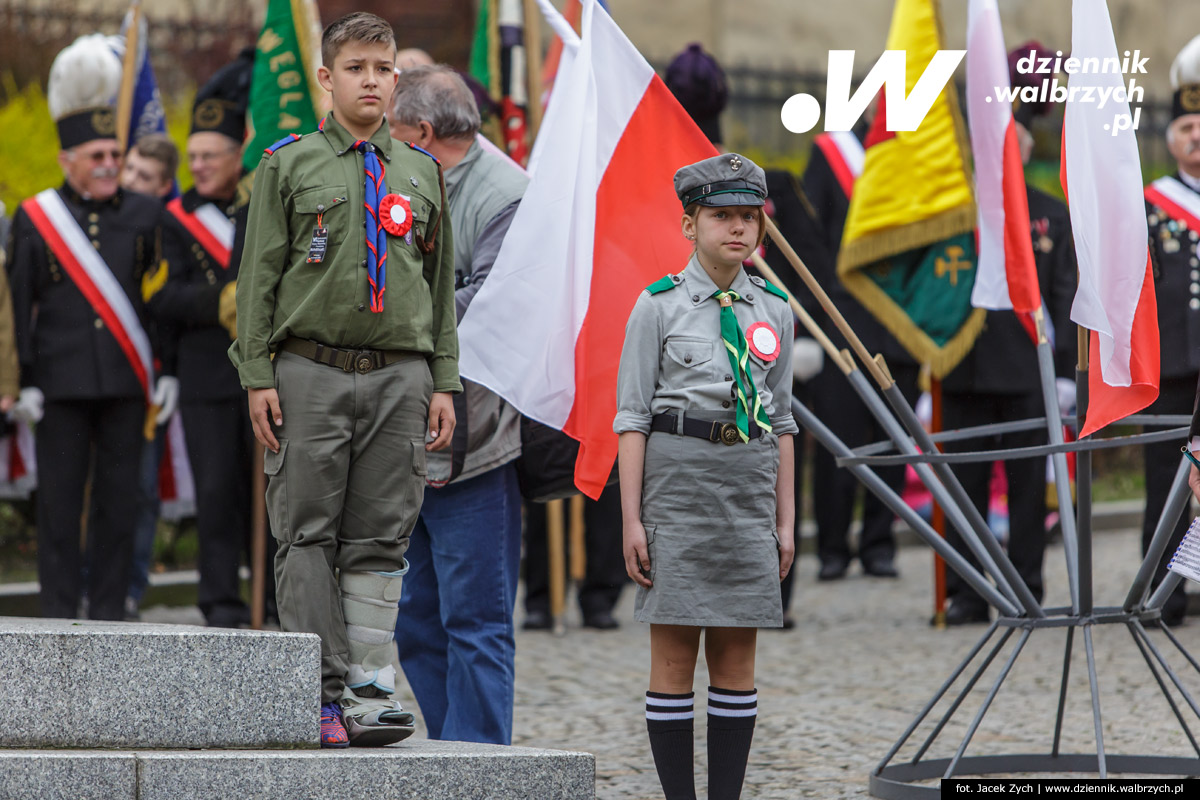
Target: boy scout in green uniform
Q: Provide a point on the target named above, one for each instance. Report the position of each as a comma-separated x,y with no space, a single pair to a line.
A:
357,380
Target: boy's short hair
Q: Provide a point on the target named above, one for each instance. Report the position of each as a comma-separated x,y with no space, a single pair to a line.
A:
159,147
356,27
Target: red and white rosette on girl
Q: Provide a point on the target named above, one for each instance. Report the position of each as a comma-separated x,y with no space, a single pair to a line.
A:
396,212
763,341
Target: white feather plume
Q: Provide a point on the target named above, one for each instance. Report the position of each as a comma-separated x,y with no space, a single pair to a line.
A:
1186,67
85,75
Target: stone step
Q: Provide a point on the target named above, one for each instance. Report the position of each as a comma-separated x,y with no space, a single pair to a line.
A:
411,770
83,684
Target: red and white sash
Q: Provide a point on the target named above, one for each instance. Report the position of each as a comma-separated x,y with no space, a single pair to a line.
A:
212,229
94,279
845,155
1173,197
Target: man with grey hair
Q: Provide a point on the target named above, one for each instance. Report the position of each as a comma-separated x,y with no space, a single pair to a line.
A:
455,630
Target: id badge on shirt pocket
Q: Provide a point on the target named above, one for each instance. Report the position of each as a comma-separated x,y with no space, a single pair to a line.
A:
324,215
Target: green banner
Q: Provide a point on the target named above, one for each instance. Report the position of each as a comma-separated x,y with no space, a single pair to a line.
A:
281,100
923,296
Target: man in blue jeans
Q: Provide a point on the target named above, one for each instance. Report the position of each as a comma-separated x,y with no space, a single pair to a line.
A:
454,634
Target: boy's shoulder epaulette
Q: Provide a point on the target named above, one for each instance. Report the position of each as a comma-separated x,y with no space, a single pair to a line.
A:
423,150
291,137
664,283
770,287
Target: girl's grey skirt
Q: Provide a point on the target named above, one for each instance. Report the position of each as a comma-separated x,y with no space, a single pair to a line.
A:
709,514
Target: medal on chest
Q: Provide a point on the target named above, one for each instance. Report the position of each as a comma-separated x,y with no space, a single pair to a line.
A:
763,341
396,212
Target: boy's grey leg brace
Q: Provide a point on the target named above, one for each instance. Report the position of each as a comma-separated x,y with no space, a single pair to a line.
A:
369,605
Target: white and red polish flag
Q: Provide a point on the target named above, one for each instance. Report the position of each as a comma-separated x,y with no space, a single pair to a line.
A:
1101,174
1006,276
598,223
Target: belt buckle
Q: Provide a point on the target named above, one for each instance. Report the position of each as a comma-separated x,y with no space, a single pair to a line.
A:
363,363
724,432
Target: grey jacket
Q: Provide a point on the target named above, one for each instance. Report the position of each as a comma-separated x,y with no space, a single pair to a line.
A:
674,357
483,191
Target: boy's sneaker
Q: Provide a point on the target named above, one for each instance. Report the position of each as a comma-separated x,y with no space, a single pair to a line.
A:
333,732
375,721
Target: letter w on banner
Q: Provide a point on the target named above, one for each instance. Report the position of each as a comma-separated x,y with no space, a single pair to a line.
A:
1101,174
598,223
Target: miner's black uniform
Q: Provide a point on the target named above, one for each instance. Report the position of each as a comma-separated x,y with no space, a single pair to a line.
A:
998,381
95,406
797,220
839,406
1175,258
216,420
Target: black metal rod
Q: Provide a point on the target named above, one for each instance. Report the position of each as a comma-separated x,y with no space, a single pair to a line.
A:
978,526
1177,498
987,702
1083,511
937,696
895,502
955,512
1163,688
1062,476
1166,667
1062,692
962,695
1097,722
1179,646
1163,591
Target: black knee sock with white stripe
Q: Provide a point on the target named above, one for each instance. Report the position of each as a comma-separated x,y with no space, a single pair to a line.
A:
731,716
670,720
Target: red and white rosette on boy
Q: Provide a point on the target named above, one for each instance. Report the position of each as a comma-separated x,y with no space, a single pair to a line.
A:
396,212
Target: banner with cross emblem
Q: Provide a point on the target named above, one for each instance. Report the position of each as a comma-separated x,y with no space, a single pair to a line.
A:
908,251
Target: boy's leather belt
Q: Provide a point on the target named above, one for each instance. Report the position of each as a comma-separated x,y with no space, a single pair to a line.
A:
360,360
713,431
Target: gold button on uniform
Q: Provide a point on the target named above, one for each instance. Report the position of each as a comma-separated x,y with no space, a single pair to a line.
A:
99,323
96,243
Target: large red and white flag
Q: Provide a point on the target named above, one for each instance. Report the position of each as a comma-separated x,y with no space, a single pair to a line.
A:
1006,275
1101,174
598,223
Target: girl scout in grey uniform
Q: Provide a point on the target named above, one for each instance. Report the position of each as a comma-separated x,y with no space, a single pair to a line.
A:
703,413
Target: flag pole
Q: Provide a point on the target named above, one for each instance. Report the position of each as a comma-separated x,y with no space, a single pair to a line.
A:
875,365
533,67
1083,476
939,516
128,64
939,478
942,499
1062,476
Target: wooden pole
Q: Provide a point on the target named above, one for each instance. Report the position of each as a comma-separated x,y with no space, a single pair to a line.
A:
939,517
258,540
576,533
533,68
128,64
555,546
810,324
874,364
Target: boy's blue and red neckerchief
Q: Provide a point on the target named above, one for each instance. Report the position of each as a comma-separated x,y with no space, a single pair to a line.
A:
377,237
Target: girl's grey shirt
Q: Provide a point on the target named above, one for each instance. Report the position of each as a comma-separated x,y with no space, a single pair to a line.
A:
674,358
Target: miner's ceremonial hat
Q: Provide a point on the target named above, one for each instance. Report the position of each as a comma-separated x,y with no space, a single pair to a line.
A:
221,103
84,80
698,83
725,180
1185,80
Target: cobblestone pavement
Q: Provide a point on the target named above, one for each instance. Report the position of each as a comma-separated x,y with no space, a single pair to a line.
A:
836,692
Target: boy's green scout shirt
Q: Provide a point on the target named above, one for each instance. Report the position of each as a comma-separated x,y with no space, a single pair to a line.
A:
281,295
674,357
